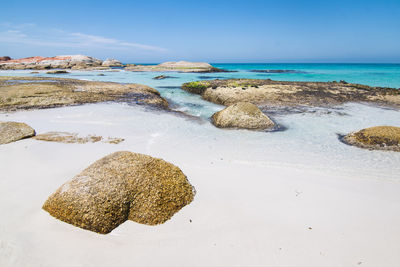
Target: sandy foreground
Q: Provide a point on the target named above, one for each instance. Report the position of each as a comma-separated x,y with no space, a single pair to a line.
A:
292,198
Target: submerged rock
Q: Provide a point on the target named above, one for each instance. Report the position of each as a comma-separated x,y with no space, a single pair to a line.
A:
57,72
161,77
121,186
276,71
379,138
242,115
13,131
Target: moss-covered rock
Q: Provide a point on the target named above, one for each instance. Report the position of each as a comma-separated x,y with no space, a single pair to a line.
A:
121,186
13,131
242,115
379,137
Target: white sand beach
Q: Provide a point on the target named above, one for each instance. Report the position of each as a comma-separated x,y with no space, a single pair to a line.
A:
294,198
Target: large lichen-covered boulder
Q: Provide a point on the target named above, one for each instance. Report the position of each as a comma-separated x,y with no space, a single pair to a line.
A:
379,137
242,115
121,186
13,131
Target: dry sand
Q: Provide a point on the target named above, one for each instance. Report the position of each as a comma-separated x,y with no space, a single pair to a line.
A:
263,199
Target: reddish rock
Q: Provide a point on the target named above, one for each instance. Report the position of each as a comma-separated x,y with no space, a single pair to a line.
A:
5,58
57,62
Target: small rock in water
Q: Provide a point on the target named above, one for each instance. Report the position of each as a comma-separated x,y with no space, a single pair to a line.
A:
375,138
242,115
57,72
161,77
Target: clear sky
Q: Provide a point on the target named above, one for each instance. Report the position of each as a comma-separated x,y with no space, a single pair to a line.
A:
207,30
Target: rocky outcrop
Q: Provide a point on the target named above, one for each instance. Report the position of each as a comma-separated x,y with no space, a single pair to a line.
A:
5,58
180,66
291,94
376,138
74,138
185,64
13,131
121,186
242,115
39,92
57,62
111,63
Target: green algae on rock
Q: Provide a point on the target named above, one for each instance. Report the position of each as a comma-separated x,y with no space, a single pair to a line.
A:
376,138
121,186
242,115
13,131
40,92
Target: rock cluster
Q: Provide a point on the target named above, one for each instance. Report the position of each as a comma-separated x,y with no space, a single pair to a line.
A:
242,115
13,131
57,62
121,186
376,138
82,62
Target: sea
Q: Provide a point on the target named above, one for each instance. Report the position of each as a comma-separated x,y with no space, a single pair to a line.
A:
383,75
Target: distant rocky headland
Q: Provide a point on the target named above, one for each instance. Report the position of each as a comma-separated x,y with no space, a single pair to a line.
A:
82,62
57,62
180,66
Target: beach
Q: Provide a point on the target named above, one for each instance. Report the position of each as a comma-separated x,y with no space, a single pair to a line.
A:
298,197
200,134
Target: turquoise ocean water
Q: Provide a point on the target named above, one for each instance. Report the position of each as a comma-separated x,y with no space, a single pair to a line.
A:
309,139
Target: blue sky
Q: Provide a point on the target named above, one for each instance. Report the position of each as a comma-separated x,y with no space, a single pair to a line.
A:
212,31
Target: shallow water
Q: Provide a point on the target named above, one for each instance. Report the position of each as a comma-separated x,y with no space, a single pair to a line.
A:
369,74
309,138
